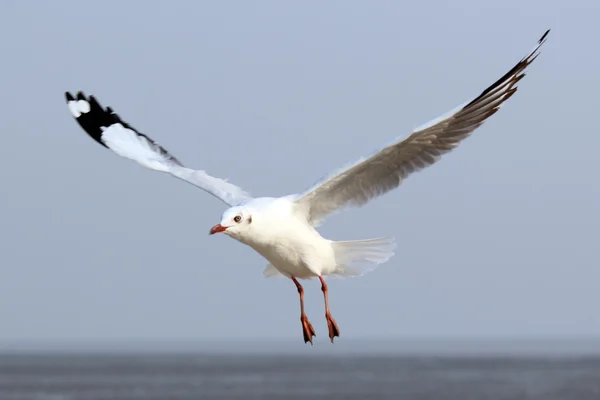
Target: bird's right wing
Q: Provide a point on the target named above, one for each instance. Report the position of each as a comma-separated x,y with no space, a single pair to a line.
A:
387,168
108,129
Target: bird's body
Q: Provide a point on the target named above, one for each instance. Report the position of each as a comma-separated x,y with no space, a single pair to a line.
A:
281,233
290,244
283,229
286,240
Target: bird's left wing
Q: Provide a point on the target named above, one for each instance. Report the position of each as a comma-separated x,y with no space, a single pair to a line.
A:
108,129
385,170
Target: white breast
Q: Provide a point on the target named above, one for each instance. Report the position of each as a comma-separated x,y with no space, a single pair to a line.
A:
297,249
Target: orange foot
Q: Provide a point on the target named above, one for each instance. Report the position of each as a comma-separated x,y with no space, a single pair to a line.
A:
333,328
307,329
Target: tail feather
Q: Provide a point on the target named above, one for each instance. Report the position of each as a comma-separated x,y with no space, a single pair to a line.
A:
358,257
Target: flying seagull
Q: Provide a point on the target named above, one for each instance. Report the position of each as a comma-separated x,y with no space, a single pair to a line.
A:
282,229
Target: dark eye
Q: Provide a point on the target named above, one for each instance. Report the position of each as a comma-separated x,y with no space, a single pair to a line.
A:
237,218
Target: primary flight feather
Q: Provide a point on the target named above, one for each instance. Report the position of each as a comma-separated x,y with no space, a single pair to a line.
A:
282,229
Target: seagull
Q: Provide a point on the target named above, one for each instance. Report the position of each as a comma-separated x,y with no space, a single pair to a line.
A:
283,229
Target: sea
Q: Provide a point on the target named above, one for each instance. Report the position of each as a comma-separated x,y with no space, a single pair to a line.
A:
306,374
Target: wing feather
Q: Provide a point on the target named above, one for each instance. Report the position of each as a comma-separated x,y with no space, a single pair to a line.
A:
107,128
385,169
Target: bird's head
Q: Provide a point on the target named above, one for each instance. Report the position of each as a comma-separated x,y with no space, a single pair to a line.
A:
235,222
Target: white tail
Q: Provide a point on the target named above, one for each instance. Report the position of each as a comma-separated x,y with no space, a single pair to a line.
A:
358,257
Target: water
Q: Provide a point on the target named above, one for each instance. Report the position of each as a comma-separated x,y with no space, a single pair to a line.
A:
229,376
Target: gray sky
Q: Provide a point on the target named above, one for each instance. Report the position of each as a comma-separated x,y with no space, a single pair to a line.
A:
497,239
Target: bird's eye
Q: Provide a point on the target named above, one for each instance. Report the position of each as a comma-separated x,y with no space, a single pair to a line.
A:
237,218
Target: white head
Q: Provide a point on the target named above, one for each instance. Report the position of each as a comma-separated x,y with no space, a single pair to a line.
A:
256,222
235,222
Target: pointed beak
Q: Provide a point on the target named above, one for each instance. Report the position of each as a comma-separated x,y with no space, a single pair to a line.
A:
217,228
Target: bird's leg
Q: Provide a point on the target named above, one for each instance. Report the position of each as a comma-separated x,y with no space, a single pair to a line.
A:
307,328
333,328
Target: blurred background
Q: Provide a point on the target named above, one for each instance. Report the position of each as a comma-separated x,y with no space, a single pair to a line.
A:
496,241
497,250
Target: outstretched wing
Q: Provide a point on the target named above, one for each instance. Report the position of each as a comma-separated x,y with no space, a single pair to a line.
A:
385,170
108,129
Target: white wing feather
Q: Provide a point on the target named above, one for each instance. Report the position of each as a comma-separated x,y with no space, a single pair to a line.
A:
385,169
107,128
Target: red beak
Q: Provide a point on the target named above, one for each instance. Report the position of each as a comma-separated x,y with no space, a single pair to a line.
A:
217,228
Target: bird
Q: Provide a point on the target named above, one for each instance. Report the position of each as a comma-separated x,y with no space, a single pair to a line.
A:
283,230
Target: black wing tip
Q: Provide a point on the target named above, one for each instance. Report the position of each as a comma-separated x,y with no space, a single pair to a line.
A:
79,95
543,37
92,119
516,73
97,117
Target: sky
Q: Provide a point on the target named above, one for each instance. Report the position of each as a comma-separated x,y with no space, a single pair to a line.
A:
498,239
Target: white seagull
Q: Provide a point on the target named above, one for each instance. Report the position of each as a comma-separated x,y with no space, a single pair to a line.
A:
282,229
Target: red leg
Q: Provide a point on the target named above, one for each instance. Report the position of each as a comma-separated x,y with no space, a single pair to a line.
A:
307,328
333,328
